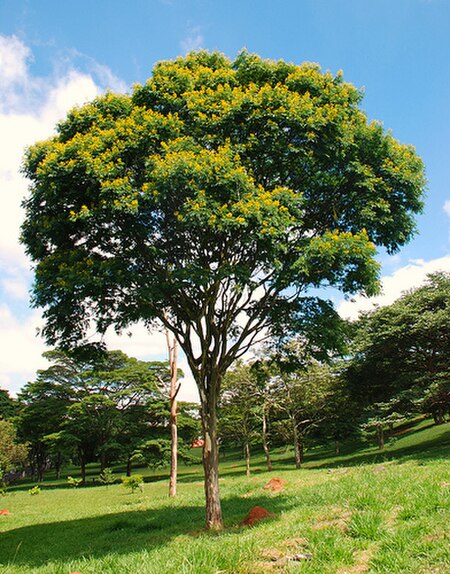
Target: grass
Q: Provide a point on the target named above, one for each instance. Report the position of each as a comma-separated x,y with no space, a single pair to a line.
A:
354,514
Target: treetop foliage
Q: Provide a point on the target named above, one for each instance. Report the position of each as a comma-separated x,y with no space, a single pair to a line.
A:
218,190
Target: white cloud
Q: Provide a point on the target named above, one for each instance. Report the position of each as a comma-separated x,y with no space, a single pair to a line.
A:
74,88
30,106
16,285
447,207
25,117
394,285
22,351
193,40
14,56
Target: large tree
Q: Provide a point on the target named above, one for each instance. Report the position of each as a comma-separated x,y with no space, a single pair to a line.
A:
209,200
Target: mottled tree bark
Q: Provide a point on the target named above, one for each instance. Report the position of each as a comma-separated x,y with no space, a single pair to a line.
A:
172,347
214,519
247,458
265,441
380,436
298,447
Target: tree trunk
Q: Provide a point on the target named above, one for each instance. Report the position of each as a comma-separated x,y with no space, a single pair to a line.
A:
173,355
297,446
438,415
380,436
58,464
337,447
247,458
83,466
301,444
214,519
265,441
129,465
103,461
40,466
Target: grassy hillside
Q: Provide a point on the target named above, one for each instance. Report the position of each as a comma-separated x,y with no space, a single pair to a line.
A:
351,514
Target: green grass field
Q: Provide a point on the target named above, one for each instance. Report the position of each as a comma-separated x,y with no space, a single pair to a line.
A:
362,512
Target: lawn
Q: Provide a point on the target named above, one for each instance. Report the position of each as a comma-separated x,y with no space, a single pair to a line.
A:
364,512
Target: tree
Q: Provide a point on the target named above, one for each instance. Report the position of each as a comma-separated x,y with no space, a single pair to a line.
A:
341,414
42,408
241,409
170,390
401,361
12,453
209,200
100,408
304,397
7,405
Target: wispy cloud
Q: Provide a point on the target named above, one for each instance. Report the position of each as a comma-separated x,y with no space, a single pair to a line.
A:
393,286
193,41
447,207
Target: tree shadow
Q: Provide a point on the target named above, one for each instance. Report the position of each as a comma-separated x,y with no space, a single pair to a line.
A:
122,532
435,448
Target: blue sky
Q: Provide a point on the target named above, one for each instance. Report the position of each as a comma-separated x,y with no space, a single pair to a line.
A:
56,54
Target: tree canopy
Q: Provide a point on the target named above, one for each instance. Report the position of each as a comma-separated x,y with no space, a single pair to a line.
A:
401,361
12,453
95,409
210,199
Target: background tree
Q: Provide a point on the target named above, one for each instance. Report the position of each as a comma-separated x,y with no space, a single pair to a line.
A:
99,409
42,408
341,413
7,405
401,360
209,200
12,453
241,409
302,399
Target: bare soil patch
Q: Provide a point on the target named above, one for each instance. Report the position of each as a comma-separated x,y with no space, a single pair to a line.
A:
255,515
275,485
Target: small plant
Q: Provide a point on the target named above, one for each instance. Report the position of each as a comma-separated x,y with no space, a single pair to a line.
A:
133,482
74,482
35,490
107,476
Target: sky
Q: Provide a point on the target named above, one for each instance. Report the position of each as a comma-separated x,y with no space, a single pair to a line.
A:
54,55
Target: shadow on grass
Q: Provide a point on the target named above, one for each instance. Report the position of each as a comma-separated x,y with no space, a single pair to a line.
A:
319,456
437,447
120,533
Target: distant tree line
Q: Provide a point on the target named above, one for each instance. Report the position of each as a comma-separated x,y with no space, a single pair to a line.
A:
109,409
396,365
391,364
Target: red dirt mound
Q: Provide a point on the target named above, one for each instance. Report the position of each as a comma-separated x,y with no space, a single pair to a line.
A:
256,514
275,484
